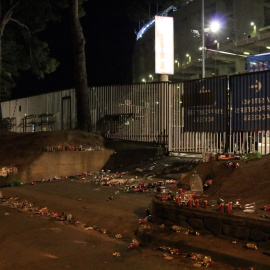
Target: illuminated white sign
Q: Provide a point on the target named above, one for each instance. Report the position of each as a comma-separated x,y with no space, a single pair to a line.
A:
164,45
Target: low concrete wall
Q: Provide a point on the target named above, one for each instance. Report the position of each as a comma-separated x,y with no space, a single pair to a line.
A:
218,224
51,164
66,163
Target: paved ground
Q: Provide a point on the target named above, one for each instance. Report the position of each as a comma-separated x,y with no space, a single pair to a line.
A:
31,241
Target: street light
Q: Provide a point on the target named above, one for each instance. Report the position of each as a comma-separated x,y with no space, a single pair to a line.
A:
203,42
215,26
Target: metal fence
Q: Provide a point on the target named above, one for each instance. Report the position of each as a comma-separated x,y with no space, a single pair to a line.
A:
138,112
219,114
216,114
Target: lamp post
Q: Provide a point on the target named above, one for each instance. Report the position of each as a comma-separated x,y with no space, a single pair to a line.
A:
203,42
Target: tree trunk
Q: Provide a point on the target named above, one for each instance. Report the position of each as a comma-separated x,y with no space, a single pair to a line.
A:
80,73
4,19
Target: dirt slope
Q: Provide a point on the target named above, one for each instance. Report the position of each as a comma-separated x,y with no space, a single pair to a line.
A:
248,183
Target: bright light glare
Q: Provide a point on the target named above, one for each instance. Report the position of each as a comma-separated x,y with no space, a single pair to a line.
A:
215,26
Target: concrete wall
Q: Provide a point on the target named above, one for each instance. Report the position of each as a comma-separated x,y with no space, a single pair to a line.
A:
218,224
51,164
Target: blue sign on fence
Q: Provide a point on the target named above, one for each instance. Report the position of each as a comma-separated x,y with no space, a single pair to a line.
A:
250,101
205,105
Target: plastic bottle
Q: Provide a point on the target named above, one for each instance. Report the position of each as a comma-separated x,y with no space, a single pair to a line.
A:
196,184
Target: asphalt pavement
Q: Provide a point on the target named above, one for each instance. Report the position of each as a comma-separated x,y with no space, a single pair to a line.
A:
34,241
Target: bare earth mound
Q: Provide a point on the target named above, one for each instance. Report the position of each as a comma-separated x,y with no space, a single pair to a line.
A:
247,184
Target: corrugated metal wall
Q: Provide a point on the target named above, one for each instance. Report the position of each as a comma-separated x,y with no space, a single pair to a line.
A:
40,113
208,115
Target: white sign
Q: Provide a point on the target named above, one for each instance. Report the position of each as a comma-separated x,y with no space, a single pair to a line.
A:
164,45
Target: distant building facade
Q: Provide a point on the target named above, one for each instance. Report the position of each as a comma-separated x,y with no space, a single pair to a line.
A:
244,30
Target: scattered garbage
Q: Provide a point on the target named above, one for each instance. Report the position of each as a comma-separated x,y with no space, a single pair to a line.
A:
133,244
208,183
59,148
89,228
116,254
169,250
201,260
103,231
179,229
8,170
25,206
251,246
118,236
167,257
194,233
227,156
231,164
142,220
249,208
237,205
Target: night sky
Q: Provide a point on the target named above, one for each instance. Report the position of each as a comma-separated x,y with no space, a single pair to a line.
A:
110,40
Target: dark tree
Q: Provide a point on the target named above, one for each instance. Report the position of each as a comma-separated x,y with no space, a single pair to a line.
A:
80,73
23,50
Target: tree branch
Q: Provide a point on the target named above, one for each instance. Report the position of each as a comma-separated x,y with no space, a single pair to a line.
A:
6,18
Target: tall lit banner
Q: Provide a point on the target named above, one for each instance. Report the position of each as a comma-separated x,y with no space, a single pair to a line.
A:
164,45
